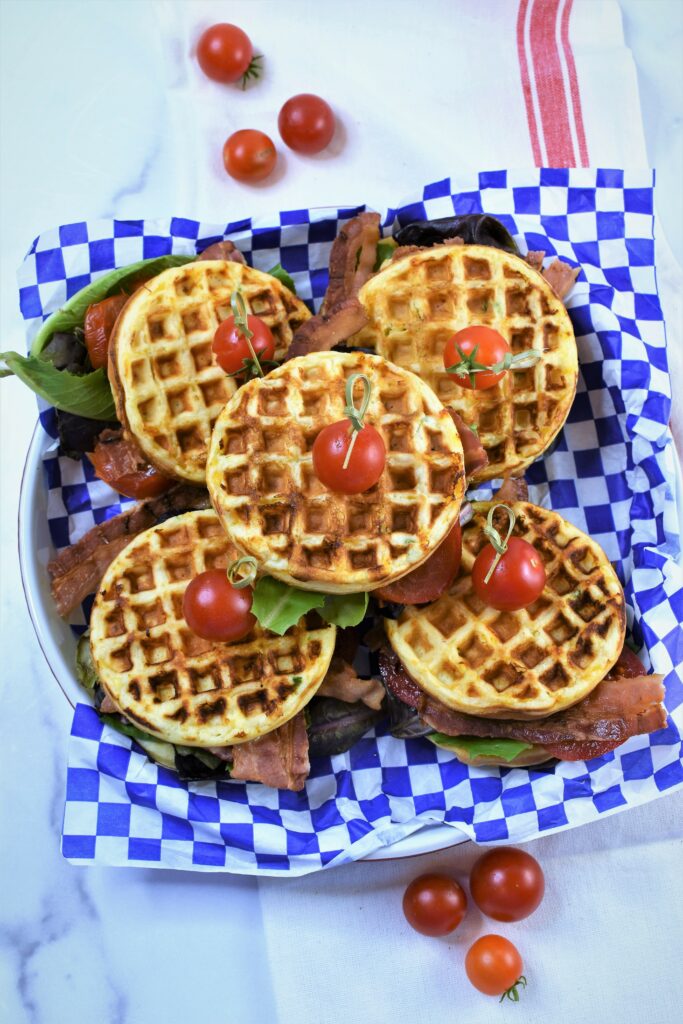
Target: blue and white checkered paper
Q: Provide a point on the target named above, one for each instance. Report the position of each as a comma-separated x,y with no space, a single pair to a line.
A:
611,473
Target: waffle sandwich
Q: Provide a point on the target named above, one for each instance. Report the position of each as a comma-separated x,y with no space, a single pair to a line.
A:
420,300
523,664
262,483
167,386
170,682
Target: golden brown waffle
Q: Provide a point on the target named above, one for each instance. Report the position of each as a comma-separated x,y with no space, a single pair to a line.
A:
524,664
419,301
167,385
262,483
173,683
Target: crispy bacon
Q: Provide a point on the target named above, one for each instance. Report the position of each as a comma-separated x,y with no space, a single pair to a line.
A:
473,450
342,683
278,759
108,707
513,488
561,277
324,331
78,569
352,259
226,250
535,260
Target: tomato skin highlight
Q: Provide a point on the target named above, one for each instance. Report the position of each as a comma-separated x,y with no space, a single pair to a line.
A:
517,580
434,904
216,610
491,349
249,155
366,464
306,123
98,326
120,463
231,348
148,483
224,52
493,965
507,884
431,579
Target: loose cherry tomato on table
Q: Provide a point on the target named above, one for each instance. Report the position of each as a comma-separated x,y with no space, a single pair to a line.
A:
495,967
98,325
306,123
249,155
349,456
120,463
434,904
242,341
217,605
431,579
507,574
478,357
225,54
507,884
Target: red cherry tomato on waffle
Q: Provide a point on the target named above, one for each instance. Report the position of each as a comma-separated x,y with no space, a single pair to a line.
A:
431,579
231,348
434,904
249,155
494,965
365,466
306,123
215,610
225,54
517,580
485,346
507,884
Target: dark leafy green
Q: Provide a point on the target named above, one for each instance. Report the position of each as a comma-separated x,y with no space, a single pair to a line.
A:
78,434
475,746
404,721
473,228
334,726
66,351
86,395
281,274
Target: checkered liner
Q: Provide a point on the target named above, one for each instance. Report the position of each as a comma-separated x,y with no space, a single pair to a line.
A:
610,473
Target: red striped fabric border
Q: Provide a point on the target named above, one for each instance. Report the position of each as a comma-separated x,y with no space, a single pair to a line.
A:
550,84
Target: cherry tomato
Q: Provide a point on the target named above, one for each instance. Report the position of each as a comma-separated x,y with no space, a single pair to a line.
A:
249,155
306,123
434,904
517,580
232,349
224,53
507,884
215,610
98,325
365,465
491,348
493,965
431,579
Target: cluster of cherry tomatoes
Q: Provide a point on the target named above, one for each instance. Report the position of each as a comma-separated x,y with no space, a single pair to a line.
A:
305,122
506,885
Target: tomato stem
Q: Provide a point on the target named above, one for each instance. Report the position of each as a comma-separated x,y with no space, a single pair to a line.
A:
255,70
354,414
251,569
511,993
468,366
241,318
499,546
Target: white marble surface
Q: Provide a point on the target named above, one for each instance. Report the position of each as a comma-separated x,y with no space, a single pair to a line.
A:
101,116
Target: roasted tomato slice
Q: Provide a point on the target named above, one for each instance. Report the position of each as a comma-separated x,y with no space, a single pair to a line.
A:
431,579
627,666
99,323
120,463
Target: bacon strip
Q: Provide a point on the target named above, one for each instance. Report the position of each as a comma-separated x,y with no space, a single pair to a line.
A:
513,488
352,259
324,331
535,260
561,277
226,250
78,569
278,759
473,450
342,683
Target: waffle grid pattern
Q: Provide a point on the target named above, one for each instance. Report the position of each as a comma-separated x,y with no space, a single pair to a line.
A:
172,682
264,488
428,297
168,385
531,662
609,473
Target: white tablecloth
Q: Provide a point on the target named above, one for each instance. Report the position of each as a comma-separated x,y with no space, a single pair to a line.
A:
103,113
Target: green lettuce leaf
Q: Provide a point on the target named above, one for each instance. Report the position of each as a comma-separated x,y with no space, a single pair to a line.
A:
385,249
86,673
344,609
72,313
160,751
86,395
278,606
475,746
281,274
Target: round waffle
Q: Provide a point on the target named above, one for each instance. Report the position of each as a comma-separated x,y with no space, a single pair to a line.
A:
170,681
262,483
419,301
524,664
168,387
